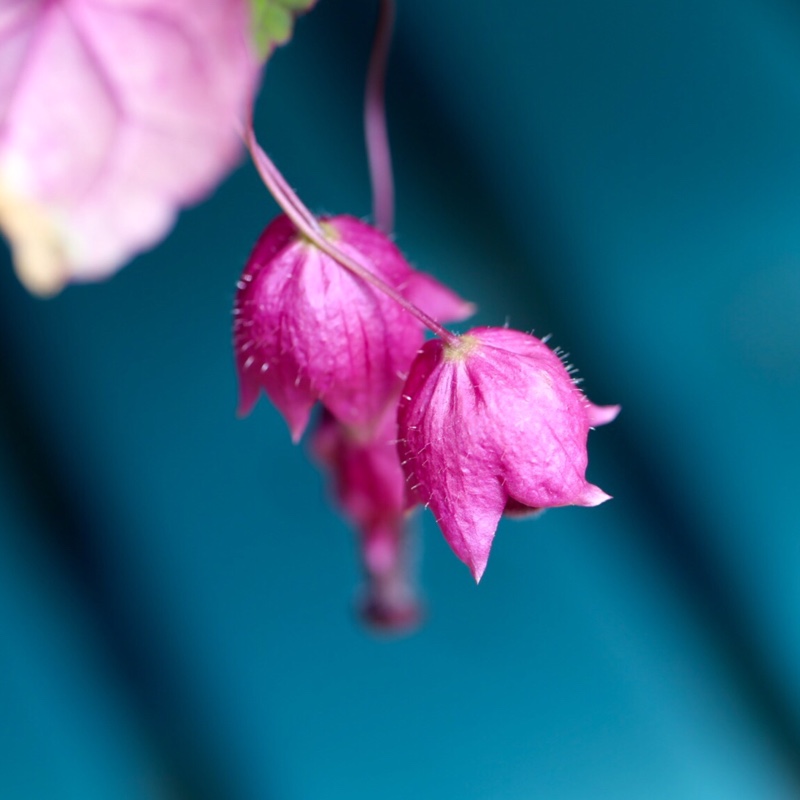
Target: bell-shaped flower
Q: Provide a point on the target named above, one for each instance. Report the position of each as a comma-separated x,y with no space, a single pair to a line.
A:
370,487
493,423
306,329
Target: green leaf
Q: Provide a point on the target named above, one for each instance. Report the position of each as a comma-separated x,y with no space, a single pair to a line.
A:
273,21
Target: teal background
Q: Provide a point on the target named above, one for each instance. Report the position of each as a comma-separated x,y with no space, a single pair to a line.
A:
176,593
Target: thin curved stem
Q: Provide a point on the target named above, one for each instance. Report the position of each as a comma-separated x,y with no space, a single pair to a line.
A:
284,195
308,225
375,131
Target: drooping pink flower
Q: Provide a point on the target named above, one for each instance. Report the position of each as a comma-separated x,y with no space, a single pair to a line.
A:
306,329
370,487
491,424
114,114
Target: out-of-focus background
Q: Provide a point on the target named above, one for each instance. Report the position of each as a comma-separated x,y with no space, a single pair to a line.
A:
176,593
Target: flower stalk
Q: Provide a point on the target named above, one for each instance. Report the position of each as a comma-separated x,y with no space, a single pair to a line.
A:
375,130
489,424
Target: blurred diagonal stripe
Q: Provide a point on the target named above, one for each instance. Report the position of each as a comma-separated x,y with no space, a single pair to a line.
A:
60,520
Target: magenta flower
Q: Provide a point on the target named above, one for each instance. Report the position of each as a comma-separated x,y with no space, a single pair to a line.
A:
370,487
494,424
306,329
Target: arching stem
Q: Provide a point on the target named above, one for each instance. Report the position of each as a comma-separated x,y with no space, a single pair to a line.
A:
375,131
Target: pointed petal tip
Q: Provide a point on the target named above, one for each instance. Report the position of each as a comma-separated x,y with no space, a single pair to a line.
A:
477,566
297,418
470,528
472,551
602,415
247,401
592,496
467,309
296,430
296,414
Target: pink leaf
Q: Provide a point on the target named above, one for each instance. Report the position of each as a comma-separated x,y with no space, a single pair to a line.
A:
114,114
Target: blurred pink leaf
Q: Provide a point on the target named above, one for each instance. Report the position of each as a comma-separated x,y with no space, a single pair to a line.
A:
114,114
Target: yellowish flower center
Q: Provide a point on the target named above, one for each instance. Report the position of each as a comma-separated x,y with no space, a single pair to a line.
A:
462,347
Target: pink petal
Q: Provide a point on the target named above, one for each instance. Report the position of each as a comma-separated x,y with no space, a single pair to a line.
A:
443,451
435,299
602,415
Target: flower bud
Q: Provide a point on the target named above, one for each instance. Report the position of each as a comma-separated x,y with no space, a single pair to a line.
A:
306,329
489,425
370,488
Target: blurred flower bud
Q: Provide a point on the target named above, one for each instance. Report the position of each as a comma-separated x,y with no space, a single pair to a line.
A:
370,488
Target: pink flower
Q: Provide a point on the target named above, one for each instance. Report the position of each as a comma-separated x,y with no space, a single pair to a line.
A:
115,115
370,487
306,329
494,424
